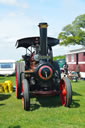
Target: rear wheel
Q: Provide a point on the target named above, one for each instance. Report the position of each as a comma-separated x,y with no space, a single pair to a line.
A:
26,95
19,77
65,92
18,83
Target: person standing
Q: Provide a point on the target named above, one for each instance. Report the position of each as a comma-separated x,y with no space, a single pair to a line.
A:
65,68
77,70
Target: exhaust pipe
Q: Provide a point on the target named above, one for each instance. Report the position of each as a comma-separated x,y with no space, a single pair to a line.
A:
43,39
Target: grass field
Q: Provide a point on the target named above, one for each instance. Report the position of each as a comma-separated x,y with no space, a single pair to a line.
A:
46,112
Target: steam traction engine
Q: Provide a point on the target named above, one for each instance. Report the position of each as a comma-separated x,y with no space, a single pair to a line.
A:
38,73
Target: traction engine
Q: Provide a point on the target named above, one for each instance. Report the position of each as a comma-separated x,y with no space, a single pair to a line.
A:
38,73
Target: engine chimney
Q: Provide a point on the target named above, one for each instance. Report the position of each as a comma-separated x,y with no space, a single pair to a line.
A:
43,39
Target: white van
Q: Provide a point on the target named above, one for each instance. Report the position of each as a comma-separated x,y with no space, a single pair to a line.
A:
7,67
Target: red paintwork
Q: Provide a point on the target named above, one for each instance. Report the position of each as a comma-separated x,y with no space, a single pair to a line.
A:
82,67
74,57
63,92
47,93
69,58
51,72
72,67
81,58
22,96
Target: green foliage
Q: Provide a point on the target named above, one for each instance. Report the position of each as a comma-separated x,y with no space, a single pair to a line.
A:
58,57
74,33
46,112
20,60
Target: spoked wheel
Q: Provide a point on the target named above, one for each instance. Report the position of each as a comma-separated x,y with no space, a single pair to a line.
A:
65,92
19,77
26,95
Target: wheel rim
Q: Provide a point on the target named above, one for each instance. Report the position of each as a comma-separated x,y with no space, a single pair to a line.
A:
63,92
22,96
16,81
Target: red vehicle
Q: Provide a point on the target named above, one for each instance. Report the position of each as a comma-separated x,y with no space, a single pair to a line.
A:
39,74
76,58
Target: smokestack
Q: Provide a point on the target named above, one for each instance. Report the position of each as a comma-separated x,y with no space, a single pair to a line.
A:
43,38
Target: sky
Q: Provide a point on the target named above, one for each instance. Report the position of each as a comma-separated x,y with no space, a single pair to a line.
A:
20,18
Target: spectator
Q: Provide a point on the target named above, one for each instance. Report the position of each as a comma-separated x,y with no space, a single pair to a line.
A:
77,70
65,68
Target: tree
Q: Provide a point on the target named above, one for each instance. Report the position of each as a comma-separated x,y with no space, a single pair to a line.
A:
58,57
74,33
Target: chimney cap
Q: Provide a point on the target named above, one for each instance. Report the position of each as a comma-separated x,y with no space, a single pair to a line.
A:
43,25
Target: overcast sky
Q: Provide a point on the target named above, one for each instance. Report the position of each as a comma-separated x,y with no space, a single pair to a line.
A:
19,18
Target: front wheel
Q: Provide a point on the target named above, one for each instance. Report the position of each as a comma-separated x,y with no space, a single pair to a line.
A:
65,92
26,95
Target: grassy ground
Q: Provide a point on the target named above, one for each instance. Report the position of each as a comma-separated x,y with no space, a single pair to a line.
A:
46,112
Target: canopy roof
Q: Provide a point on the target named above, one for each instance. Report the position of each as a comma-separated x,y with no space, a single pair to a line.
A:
33,41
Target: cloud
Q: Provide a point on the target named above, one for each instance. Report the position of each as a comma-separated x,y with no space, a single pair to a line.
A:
8,49
12,28
15,26
9,2
16,23
17,3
